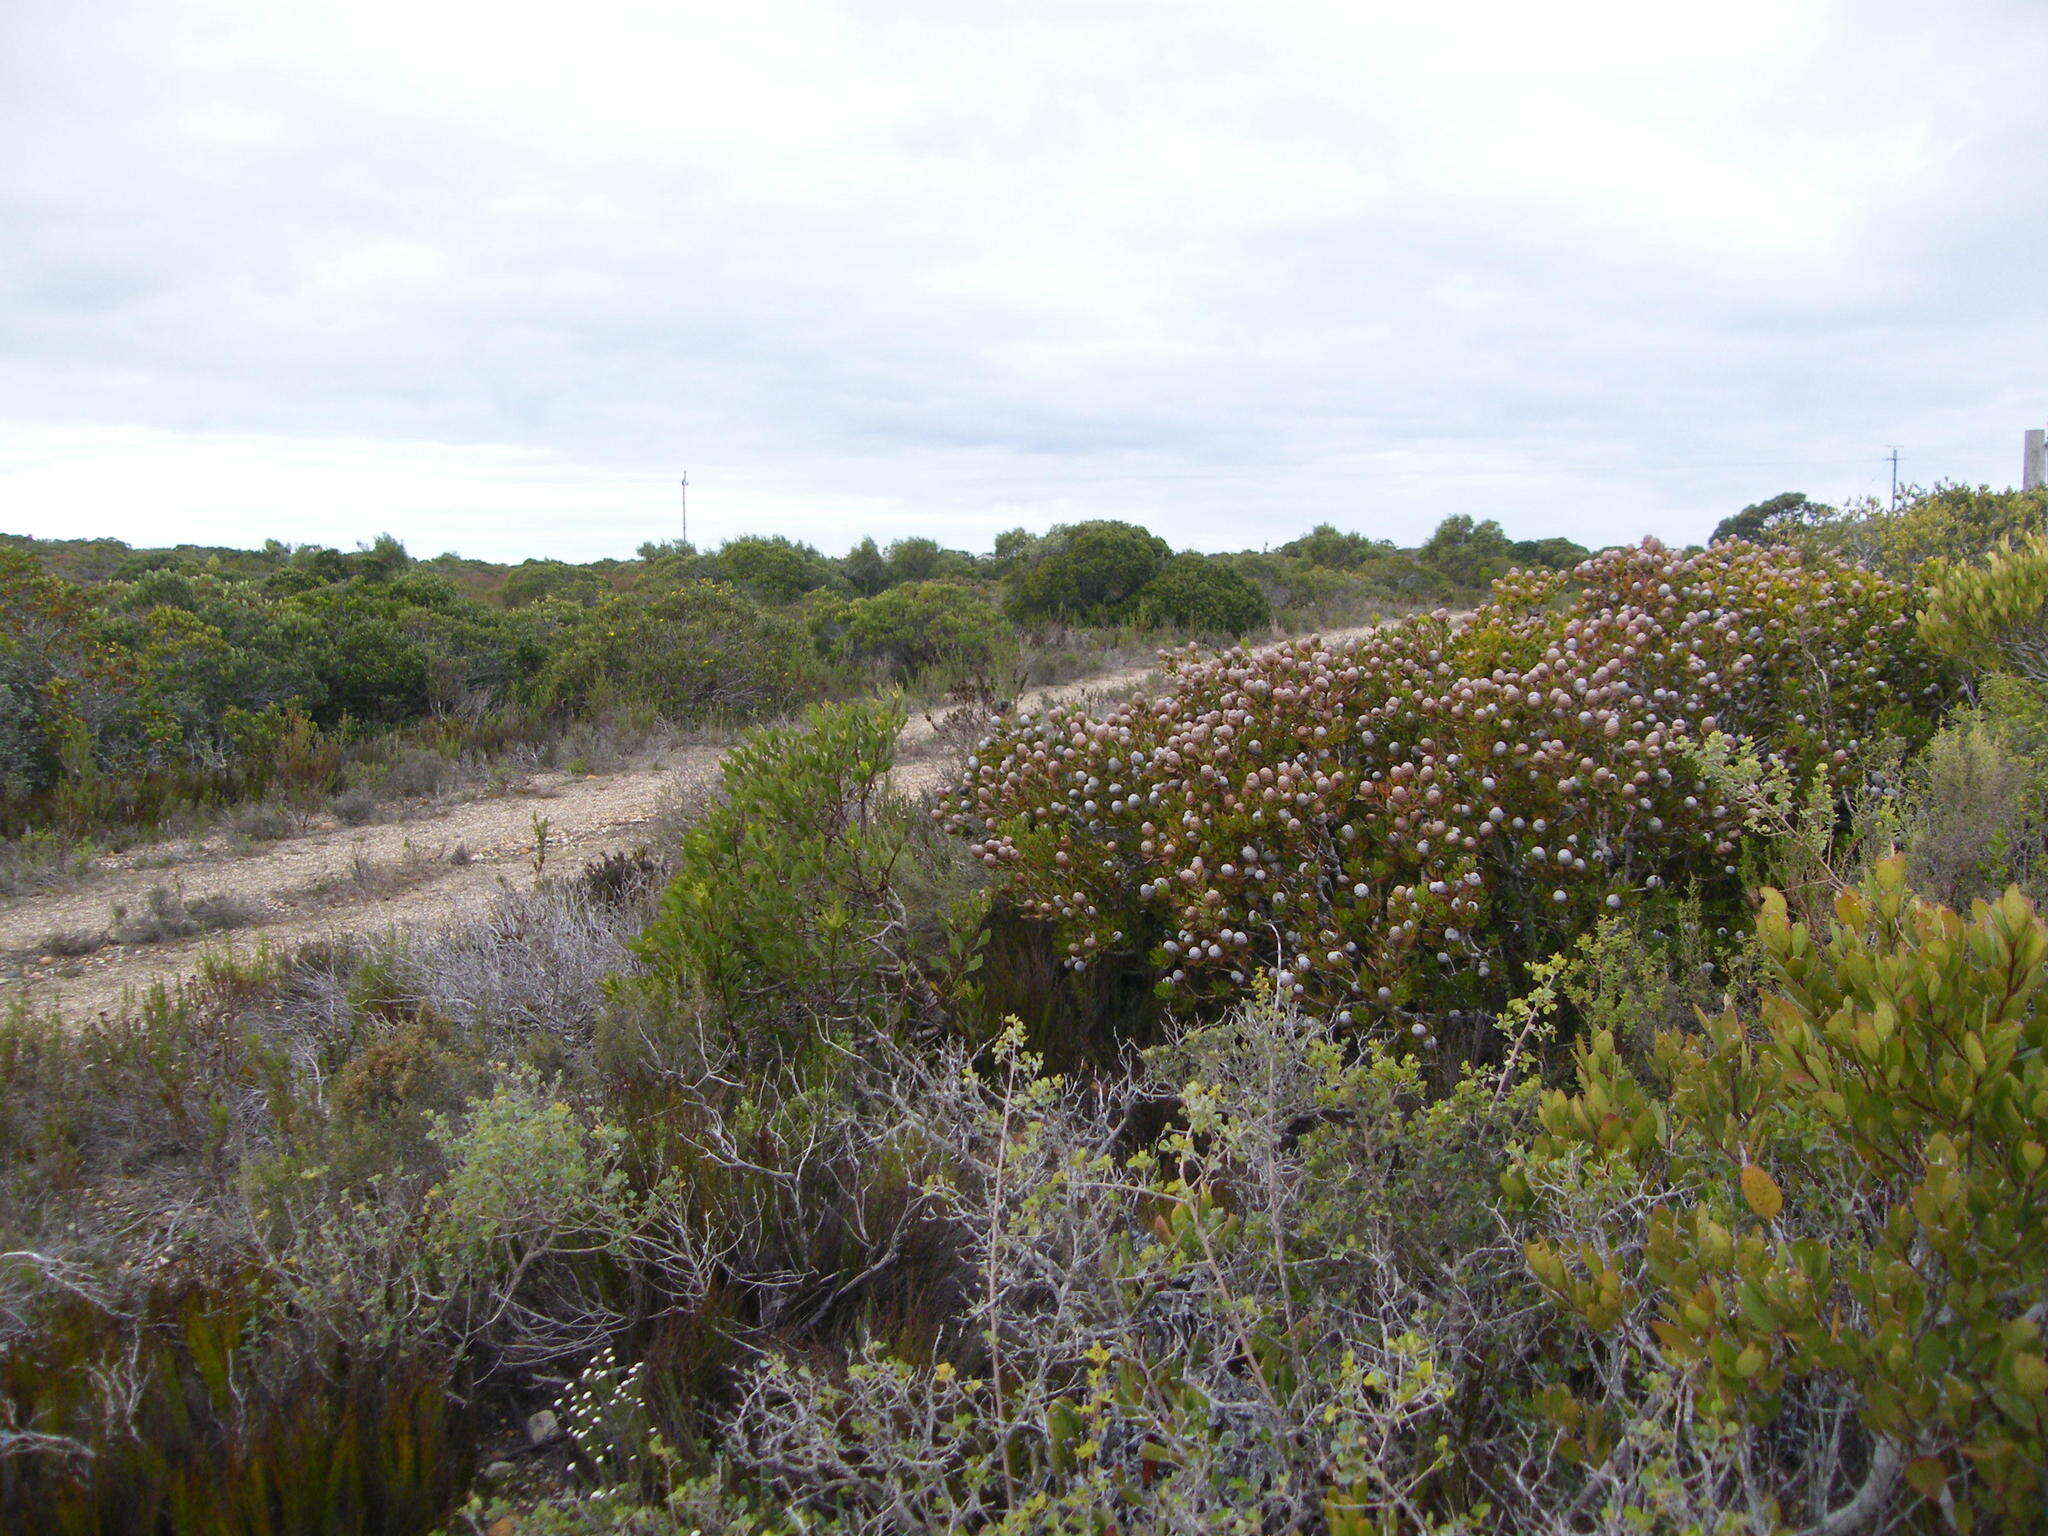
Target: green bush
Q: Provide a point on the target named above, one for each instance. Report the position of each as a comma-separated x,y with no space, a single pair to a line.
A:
865,569
782,910
695,652
1083,573
533,581
1201,595
1303,596
64,688
1468,553
1992,616
1847,1196
1768,522
771,569
924,624
1952,523
1324,545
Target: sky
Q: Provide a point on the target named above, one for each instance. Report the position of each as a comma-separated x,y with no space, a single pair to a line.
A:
492,276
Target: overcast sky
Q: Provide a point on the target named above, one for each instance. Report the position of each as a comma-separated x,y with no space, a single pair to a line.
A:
488,275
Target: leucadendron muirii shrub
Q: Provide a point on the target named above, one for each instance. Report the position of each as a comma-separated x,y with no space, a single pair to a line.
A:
1401,823
1832,1220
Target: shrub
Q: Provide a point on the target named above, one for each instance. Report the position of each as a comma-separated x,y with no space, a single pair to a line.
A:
1976,811
355,807
1302,596
1203,596
1325,545
925,624
70,943
695,652
1847,1198
865,569
782,902
167,915
1287,1314
191,1417
913,560
1470,554
533,581
1953,523
416,772
1993,616
533,1205
1409,819
772,569
41,859
1083,573
66,694
1766,522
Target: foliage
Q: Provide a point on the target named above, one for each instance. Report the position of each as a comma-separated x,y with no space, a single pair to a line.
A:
62,686
1405,821
533,581
865,568
1304,596
1470,554
1765,522
1083,573
1283,1314
698,651
1952,522
725,1151
1993,616
912,560
1551,554
769,567
826,937
1851,1193
145,687
1202,595
1343,551
1972,806
923,624
189,1422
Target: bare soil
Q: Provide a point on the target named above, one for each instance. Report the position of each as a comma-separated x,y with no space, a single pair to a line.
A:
340,883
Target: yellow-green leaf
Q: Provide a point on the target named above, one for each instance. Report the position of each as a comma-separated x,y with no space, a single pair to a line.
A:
1926,1474
1762,1192
2030,1372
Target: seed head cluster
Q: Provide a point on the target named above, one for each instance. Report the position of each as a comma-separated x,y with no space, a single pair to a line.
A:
1384,824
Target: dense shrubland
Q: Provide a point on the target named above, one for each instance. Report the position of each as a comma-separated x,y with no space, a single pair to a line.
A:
138,688
849,1165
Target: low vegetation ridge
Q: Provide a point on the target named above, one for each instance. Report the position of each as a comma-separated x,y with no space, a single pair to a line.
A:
1582,1068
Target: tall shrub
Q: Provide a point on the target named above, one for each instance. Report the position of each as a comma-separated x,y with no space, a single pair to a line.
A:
697,651
782,909
1408,818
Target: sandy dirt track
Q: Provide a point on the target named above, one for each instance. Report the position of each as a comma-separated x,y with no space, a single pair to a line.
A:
339,882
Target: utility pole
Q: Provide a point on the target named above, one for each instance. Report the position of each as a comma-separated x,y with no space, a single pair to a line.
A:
1895,478
686,506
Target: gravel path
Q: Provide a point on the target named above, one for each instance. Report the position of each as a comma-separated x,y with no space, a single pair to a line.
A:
352,882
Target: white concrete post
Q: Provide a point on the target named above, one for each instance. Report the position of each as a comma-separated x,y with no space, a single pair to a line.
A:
2034,469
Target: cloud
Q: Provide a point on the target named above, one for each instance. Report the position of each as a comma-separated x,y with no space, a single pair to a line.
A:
493,273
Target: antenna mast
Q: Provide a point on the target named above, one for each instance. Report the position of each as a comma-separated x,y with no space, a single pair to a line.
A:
686,506
1895,478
